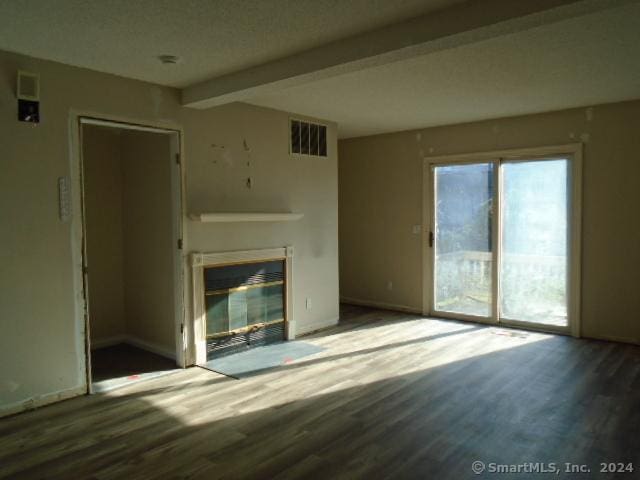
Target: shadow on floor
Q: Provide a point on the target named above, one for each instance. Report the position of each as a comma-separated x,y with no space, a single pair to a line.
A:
125,360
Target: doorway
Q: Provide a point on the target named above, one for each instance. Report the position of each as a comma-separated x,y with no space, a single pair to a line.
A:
131,219
504,238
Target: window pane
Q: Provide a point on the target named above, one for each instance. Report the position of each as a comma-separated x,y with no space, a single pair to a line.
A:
534,242
463,260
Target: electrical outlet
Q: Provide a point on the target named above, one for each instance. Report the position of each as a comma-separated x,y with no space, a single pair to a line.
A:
308,303
389,285
416,229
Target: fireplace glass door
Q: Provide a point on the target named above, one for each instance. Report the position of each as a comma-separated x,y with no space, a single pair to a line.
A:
244,305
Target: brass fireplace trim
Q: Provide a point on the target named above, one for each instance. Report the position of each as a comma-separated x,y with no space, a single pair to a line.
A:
201,261
237,331
243,287
242,262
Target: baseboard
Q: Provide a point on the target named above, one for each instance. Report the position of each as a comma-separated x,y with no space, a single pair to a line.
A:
314,327
136,342
612,338
41,400
108,341
381,305
150,346
48,398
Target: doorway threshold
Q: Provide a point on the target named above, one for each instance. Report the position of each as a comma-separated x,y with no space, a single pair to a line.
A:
103,386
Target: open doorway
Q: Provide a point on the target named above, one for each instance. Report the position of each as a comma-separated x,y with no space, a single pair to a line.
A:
131,230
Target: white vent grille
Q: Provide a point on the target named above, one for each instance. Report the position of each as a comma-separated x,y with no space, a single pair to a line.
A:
28,86
308,138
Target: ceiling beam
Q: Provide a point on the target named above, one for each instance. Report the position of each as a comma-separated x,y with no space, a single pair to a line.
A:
461,24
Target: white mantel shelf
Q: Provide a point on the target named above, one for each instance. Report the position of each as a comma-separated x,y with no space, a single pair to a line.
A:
246,217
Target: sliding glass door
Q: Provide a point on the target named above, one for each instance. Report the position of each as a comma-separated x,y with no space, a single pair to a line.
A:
463,239
534,253
501,240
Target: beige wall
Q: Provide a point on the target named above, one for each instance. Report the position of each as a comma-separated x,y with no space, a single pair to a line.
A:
130,248
148,238
102,176
381,199
42,350
280,182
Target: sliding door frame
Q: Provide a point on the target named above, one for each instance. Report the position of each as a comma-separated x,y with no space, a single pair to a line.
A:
430,179
573,153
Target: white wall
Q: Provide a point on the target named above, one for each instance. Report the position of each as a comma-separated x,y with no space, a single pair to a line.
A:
37,292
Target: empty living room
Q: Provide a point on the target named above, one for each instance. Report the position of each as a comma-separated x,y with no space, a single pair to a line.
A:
330,239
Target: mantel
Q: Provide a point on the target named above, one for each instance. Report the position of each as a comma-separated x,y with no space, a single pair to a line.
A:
246,217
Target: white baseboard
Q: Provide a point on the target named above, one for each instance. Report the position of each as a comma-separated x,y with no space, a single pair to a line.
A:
312,327
136,342
47,398
108,341
150,347
381,305
41,400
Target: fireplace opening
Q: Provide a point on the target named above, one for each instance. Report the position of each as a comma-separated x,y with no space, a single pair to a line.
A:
244,306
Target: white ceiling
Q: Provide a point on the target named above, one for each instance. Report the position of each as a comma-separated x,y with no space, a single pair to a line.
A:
583,61
213,37
577,62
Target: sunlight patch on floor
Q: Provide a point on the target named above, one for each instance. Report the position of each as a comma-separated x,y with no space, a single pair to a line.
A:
430,346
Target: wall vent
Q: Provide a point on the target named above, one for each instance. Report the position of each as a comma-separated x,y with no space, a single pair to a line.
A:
307,138
28,86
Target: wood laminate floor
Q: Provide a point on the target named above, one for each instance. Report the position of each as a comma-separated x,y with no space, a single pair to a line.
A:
392,396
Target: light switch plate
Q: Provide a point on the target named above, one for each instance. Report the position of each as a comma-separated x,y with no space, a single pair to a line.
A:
64,199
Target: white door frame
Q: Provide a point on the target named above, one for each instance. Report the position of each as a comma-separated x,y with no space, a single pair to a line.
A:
78,246
571,151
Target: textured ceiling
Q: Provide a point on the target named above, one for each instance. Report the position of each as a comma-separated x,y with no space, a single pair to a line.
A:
583,61
213,37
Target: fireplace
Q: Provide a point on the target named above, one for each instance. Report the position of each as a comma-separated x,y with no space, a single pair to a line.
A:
241,300
244,305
